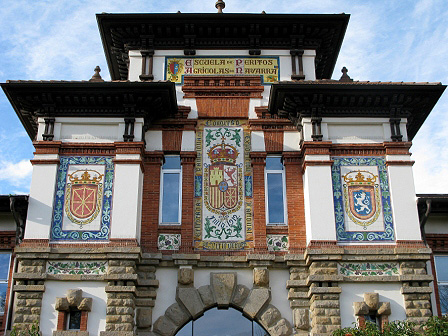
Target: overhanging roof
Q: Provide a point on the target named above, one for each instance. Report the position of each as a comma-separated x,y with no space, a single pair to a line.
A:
33,99
123,32
299,99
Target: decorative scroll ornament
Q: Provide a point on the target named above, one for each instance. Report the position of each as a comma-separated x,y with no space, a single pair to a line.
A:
362,197
84,195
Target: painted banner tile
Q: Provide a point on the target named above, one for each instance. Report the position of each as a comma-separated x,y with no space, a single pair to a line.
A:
368,269
77,267
362,199
83,199
223,208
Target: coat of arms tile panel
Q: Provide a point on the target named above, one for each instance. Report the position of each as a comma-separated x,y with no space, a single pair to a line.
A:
83,199
223,191
362,199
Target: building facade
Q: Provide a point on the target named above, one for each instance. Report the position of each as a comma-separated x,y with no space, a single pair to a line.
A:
220,167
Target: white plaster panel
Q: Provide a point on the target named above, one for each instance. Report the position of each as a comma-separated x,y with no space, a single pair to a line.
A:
91,289
403,129
40,206
135,65
257,141
46,157
307,129
398,158
256,102
166,293
317,157
357,133
153,140
279,293
437,223
404,206
319,208
7,222
354,292
309,68
291,141
125,214
188,141
128,157
89,133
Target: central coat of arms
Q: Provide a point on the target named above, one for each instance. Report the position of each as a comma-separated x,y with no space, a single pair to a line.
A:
84,194
362,197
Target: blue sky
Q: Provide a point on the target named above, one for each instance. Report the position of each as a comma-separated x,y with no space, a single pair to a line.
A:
386,40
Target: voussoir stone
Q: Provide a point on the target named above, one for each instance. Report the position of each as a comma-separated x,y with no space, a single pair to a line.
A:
185,276
240,295
164,326
144,317
85,304
223,285
191,300
372,300
261,277
302,318
281,328
384,308
360,308
206,296
177,314
270,316
74,297
61,304
257,299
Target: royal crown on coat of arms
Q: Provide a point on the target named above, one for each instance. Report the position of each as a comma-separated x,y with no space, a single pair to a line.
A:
85,178
361,178
223,153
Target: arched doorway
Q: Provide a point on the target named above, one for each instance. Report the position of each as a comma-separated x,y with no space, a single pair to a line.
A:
222,322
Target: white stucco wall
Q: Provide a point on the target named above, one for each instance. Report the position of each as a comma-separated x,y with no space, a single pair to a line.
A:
188,141
404,205
40,206
437,223
94,289
318,197
153,140
291,141
354,292
257,141
7,222
125,221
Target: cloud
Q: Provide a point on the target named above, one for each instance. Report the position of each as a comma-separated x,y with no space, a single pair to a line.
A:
17,174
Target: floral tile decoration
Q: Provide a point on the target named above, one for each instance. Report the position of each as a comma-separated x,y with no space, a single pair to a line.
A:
83,199
368,269
168,241
361,196
77,267
277,242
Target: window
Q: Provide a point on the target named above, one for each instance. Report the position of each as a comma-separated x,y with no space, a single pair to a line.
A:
74,319
170,200
275,191
442,281
4,272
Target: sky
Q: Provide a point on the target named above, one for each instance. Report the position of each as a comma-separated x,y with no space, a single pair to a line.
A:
386,40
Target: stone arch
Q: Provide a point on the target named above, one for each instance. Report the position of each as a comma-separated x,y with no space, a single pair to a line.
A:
222,292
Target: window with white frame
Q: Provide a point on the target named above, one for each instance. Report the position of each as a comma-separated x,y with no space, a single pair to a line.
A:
5,259
171,191
275,191
442,281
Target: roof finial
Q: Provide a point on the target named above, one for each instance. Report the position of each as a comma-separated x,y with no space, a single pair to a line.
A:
345,77
96,76
220,4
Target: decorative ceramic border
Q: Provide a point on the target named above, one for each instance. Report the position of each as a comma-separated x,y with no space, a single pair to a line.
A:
277,242
77,267
57,233
168,241
368,269
360,236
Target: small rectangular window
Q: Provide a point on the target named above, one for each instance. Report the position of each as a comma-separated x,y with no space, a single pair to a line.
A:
275,191
74,320
171,187
442,281
5,259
